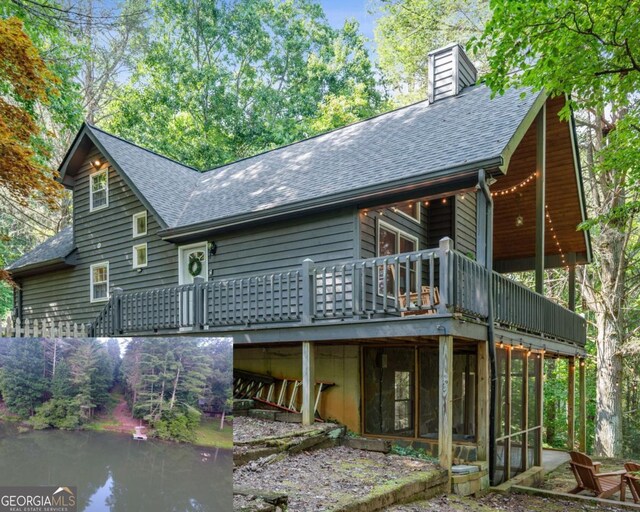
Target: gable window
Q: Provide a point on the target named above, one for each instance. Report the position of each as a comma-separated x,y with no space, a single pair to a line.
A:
410,210
139,224
99,281
99,190
140,256
392,241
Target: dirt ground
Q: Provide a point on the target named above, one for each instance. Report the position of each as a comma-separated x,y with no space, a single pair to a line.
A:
320,480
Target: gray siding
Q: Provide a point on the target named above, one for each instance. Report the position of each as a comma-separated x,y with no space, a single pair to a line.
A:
465,224
64,294
327,237
440,221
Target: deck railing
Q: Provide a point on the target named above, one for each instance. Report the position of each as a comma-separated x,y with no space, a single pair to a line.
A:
437,281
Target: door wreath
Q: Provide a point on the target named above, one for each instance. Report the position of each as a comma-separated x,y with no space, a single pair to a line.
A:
195,265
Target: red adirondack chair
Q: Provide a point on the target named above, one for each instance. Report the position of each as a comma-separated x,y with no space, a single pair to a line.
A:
589,478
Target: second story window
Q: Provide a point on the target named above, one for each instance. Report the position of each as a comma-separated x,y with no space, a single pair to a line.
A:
394,241
99,281
99,190
140,256
411,210
139,224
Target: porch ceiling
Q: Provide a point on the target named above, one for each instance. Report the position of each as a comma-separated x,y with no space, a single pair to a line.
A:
514,247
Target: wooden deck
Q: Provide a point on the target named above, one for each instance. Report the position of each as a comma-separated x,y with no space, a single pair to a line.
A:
357,292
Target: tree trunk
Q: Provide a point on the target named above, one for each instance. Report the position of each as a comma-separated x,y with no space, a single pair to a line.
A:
609,323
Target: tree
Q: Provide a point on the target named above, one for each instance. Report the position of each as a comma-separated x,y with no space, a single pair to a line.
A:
591,51
223,80
25,80
22,379
408,30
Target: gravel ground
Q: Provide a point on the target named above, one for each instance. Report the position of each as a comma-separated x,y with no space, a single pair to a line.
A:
499,502
316,481
249,429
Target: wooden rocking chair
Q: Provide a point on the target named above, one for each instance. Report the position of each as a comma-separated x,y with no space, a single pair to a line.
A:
589,478
632,480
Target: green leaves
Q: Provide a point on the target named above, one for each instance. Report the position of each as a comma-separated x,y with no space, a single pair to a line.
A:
219,81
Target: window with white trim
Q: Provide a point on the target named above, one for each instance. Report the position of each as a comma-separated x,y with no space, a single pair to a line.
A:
99,190
410,210
139,224
99,281
390,241
140,256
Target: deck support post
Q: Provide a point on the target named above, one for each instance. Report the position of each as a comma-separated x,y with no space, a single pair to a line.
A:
571,398
445,419
582,409
541,152
540,411
483,401
308,383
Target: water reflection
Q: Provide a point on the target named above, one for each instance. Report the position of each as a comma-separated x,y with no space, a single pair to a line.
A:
115,473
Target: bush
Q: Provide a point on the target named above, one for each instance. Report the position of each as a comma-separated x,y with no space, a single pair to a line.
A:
178,424
63,413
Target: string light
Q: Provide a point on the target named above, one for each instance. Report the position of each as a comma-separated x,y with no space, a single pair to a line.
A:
516,187
554,235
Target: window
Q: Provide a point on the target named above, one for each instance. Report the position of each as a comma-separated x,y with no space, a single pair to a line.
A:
140,256
394,241
99,193
411,210
139,224
99,276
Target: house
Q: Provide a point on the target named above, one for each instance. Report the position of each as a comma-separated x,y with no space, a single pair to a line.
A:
371,257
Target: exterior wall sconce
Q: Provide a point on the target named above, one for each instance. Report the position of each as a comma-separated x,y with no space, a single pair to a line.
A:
519,221
213,248
97,163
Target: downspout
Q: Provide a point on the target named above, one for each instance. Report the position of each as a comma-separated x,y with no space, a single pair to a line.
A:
484,188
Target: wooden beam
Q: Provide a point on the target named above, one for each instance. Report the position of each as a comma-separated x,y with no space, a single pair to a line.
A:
541,151
582,408
308,383
445,419
524,461
507,416
571,260
540,411
571,399
482,415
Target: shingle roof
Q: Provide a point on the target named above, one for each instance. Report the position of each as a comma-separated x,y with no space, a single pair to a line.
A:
57,247
415,140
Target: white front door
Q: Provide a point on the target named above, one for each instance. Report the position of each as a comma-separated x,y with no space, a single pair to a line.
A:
192,261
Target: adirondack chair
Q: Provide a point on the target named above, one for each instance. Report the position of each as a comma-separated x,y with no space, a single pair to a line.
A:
425,298
632,481
589,478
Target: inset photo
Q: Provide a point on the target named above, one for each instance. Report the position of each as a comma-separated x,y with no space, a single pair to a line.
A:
119,424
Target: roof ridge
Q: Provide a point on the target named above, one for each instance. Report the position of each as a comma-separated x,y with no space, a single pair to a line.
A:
94,127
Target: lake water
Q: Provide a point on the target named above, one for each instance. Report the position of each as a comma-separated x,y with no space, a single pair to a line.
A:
112,472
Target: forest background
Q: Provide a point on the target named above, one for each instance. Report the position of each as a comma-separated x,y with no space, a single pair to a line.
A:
208,82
